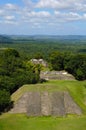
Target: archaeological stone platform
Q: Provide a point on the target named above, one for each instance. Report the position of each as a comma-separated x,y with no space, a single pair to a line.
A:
46,104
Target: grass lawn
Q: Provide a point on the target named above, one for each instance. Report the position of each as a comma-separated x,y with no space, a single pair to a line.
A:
22,122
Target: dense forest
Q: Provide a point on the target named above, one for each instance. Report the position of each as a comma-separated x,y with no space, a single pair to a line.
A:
28,46
62,53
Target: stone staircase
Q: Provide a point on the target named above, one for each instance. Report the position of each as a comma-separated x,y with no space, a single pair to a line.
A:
46,104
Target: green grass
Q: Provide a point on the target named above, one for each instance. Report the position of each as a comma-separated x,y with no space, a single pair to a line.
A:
22,122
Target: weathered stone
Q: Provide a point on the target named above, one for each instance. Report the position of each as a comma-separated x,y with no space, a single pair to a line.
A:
57,100
70,106
45,104
34,104
21,105
39,61
56,75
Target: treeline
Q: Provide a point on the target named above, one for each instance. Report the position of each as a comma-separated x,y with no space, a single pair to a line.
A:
14,72
75,64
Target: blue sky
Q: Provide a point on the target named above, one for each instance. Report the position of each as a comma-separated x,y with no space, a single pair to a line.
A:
49,17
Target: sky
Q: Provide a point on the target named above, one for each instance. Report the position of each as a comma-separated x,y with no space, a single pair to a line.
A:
43,17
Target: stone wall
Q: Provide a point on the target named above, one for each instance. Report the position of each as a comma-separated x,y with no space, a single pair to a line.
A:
56,75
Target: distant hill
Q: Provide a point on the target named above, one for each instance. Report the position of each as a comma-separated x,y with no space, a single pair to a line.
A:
40,38
60,37
48,37
5,39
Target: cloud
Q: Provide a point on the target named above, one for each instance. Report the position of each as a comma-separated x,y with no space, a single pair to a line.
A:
29,4
10,22
38,14
70,16
1,12
77,5
52,4
43,13
11,11
9,17
10,6
84,16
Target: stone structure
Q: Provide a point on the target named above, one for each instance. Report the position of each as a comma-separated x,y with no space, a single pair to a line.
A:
39,61
58,105
56,75
34,104
45,103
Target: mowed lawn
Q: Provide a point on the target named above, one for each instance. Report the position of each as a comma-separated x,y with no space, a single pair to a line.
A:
22,122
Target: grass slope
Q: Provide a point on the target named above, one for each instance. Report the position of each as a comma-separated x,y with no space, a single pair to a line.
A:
77,89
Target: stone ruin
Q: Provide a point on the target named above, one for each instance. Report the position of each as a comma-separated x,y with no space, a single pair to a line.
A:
52,75
56,75
39,61
46,104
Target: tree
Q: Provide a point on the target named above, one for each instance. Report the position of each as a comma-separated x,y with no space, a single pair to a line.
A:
38,55
14,72
5,100
11,52
76,65
10,61
57,60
